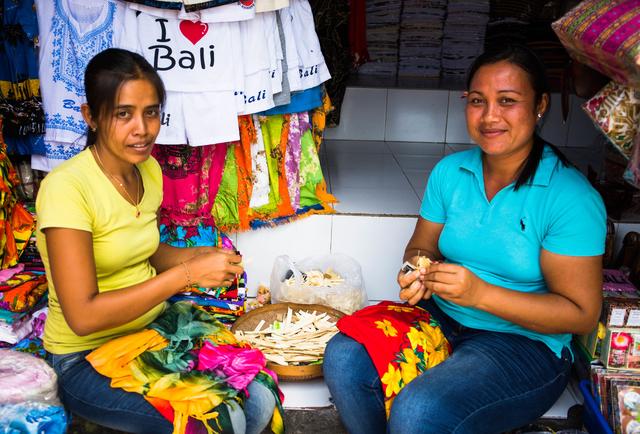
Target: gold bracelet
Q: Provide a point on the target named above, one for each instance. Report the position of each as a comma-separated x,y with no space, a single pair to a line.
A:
188,275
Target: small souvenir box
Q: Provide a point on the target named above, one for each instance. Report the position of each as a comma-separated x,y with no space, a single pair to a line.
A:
621,305
621,349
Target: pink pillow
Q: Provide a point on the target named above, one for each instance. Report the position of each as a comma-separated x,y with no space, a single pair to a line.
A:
604,34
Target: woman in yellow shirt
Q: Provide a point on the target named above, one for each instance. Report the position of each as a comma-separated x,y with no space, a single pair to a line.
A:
109,275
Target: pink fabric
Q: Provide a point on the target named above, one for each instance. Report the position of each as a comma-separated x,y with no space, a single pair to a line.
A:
9,272
191,179
238,365
292,161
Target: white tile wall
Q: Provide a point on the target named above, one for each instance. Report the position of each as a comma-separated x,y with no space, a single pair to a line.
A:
377,243
416,115
553,128
456,122
362,116
299,239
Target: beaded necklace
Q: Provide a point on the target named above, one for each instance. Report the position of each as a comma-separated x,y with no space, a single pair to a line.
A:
118,182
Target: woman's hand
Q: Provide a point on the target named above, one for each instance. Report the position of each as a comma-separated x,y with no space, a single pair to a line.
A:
412,288
454,283
214,267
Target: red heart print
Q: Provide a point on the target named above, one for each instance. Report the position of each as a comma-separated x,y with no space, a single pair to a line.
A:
193,30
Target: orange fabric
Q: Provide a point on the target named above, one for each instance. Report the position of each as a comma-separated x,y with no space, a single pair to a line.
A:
242,151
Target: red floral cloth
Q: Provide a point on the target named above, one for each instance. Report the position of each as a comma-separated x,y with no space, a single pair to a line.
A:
402,340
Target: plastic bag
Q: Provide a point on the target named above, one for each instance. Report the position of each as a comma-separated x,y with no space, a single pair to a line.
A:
302,282
24,377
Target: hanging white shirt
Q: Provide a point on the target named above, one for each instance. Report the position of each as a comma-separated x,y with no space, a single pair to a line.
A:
290,51
257,54
71,33
270,5
189,56
312,68
198,119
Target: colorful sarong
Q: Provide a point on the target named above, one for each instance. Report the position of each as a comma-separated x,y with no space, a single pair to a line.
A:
402,340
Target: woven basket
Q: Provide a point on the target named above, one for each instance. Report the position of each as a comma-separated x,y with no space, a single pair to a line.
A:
276,312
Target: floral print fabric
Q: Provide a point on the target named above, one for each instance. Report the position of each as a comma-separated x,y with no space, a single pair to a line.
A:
402,340
615,110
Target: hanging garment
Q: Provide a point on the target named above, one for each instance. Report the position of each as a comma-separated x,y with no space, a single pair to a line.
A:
311,67
198,64
187,5
260,63
225,207
198,118
284,96
301,101
16,223
292,161
242,153
20,102
71,33
158,362
259,169
402,340
187,55
238,11
190,181
270,5
291,50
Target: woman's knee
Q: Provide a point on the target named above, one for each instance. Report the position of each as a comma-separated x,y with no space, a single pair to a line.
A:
340,355
259,407
418,408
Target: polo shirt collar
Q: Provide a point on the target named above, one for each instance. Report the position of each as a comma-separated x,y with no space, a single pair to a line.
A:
542,177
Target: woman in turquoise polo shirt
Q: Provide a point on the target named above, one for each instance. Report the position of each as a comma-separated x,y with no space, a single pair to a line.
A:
517,234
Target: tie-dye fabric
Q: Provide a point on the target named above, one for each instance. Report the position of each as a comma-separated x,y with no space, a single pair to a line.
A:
166,364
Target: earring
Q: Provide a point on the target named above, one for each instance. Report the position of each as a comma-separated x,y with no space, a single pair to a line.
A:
94,129
539,115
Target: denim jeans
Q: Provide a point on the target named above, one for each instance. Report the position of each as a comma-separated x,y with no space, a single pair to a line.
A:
88,394
492,382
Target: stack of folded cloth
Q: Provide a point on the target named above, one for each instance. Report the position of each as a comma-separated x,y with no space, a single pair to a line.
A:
464,32
226,304
421,32
23,308
383,26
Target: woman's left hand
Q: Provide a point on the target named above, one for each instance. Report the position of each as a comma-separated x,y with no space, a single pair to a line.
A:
454,283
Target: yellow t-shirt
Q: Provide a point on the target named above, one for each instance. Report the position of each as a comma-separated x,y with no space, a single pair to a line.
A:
77,195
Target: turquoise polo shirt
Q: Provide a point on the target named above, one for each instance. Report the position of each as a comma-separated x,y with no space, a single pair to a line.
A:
500,240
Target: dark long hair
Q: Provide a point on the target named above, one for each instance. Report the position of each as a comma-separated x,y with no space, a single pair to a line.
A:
529,62
106,72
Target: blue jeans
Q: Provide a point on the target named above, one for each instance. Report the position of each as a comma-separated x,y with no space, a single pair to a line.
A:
88,394
492,382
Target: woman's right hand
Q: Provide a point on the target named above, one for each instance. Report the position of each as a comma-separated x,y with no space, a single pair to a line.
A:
412,288
216,267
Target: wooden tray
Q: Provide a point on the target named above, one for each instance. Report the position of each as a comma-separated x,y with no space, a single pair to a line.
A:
276,312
